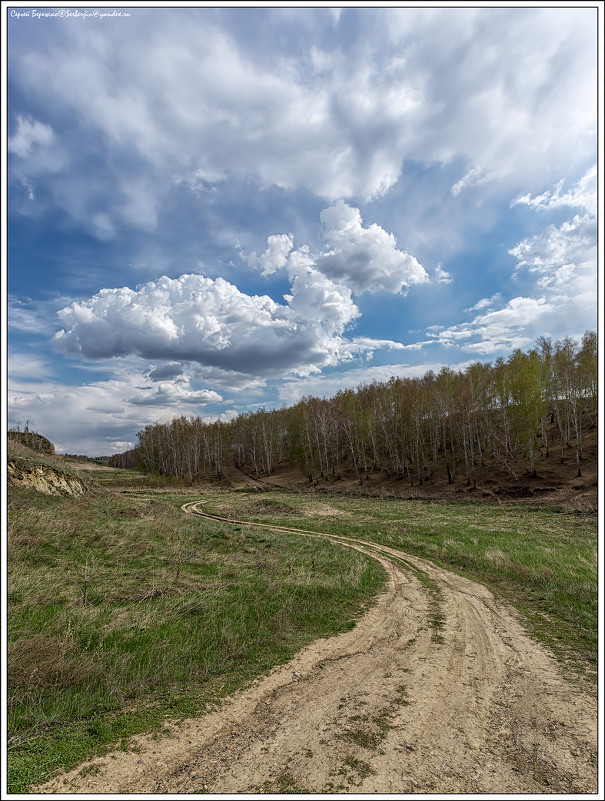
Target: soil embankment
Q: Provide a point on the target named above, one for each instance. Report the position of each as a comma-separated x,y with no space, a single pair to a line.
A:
44,479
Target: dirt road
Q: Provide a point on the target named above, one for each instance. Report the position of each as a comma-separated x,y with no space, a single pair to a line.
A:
436,690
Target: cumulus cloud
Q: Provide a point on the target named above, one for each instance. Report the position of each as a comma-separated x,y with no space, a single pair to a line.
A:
166,318
364,259
210,322
276,255
315,298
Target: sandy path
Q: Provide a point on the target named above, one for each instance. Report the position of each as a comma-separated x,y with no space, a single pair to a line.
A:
393,706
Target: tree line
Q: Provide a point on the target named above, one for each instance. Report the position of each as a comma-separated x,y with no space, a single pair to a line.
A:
508,411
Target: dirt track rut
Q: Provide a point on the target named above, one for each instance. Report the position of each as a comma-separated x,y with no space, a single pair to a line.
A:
403,703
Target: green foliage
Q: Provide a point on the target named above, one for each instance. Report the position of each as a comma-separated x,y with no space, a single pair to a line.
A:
407,426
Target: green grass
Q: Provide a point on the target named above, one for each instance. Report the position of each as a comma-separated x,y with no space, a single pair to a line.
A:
114,477
124,611
541,559
360,769
284,783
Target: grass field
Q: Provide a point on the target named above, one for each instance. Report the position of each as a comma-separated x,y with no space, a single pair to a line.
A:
541,559
125,612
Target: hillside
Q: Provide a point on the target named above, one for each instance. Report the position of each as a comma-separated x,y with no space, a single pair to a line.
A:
33,440
556,481
44,473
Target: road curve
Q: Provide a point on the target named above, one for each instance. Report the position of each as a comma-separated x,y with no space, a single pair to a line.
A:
437,689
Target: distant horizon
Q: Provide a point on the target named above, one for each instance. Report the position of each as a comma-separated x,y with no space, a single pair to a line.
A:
215,209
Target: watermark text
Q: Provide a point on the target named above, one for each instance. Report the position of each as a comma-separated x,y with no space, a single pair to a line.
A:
32,13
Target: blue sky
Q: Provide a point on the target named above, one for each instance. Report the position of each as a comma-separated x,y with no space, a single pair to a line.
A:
216,209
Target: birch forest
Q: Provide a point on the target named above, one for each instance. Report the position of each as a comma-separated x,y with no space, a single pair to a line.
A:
540,401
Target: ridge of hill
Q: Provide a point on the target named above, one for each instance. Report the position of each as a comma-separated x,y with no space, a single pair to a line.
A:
32,440
42,471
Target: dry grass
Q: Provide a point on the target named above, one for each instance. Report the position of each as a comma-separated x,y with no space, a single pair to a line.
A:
47,660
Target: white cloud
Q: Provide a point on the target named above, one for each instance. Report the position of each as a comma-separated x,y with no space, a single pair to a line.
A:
36,154
276,255
21,317
582,194
315,298
119,446
560,269
290,392
500,82
564,260
560,250
30,135
227,381
179,98
101,417
501,330
201,106
566,307
442,276
364,259
28,366
212,323
474,177
485,303
174,394
34,317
